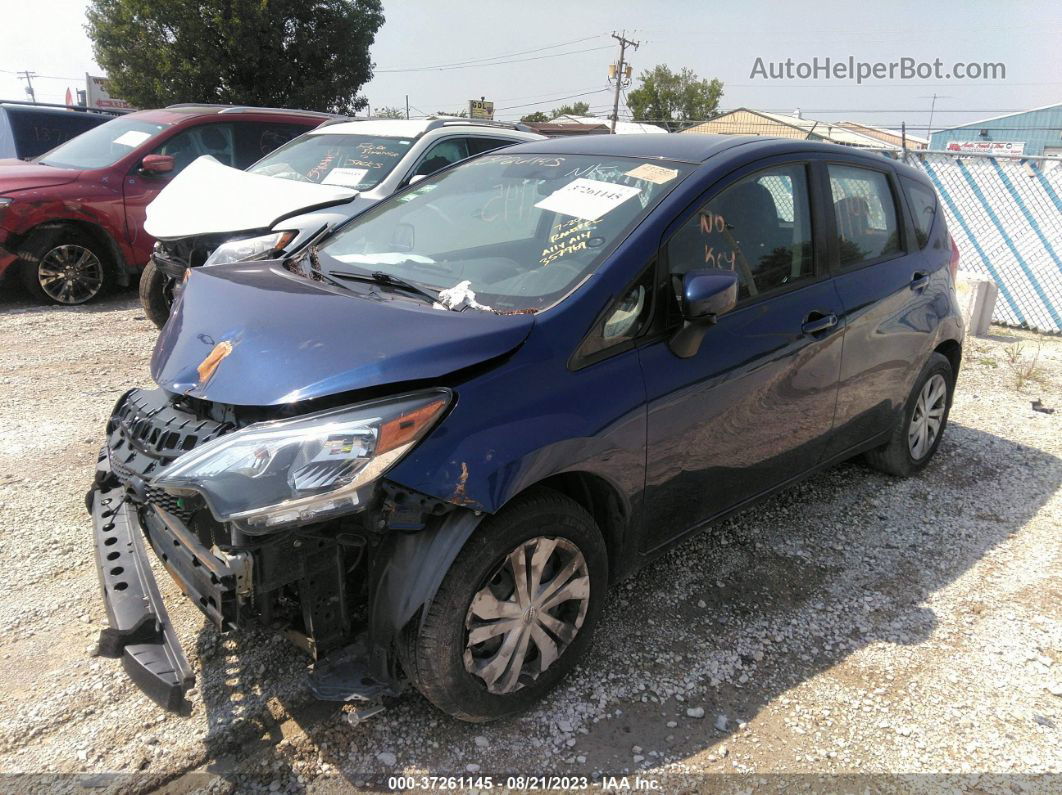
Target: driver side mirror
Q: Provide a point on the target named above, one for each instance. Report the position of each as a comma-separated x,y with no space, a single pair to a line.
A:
157,164
706,294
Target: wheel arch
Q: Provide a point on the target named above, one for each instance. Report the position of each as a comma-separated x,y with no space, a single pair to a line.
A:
952,351
408,568
113,261
604,502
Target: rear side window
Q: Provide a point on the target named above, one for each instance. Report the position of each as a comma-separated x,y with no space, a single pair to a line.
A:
477,146
256,139
923,201
759,227
867,228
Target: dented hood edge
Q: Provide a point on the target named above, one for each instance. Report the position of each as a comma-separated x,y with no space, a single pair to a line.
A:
254,334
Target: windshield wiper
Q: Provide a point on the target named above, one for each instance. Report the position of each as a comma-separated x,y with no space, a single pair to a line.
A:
379,277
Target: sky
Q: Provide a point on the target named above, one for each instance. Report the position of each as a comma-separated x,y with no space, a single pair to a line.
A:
559,52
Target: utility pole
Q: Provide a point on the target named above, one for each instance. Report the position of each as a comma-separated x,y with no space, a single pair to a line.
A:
621,73
28,77
407,106
932,107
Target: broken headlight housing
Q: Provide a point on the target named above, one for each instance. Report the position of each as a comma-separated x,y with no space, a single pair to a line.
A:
248,248
289,472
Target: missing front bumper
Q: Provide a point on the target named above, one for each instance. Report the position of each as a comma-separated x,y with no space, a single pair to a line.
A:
139,631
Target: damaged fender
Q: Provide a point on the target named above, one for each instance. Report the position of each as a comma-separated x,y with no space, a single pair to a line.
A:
407,572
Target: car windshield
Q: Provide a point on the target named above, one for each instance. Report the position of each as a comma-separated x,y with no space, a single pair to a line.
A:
523,230
352,161
102,146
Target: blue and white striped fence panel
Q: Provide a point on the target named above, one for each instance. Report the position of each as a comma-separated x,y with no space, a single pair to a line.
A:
1006,217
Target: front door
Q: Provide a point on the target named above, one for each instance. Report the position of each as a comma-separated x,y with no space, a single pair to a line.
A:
215,139
754,406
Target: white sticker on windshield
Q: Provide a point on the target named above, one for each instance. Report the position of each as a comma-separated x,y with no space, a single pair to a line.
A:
651,173
587,198
132,138
347,177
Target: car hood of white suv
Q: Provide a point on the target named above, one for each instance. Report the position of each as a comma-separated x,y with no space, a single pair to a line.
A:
209,197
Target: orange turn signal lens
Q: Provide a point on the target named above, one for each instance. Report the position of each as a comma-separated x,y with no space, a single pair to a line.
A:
407,427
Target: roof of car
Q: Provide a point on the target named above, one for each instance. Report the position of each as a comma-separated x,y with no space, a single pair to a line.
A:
174,113
691,148
407,128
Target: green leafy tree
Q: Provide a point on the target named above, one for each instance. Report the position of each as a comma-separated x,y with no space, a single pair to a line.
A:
388,112
674,99
575,109
282,53
537,116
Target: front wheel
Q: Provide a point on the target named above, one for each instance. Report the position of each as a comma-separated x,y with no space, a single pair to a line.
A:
63,266
921,427
514,613
156,294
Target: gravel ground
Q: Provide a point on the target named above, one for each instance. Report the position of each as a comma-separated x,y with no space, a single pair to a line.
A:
856,624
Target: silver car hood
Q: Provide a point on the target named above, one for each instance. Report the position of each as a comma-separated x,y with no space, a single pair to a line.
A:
208,197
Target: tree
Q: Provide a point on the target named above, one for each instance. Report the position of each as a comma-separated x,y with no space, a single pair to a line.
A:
674,99
537,116
387,112
282,53
576,109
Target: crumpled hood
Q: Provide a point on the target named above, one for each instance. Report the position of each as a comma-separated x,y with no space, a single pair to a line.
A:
19,175
209,198
253,334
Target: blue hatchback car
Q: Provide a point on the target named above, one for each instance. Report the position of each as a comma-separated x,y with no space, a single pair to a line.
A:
428,445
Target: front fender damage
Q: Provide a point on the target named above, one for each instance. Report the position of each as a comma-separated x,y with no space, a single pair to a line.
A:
406,574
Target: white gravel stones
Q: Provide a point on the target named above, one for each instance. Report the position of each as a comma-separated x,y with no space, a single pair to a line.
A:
695,712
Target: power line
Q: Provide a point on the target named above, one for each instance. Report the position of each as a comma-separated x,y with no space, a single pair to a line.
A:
553,99
494,60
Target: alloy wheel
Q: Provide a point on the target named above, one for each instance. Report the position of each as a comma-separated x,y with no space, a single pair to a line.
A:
927,417
70,274
526,615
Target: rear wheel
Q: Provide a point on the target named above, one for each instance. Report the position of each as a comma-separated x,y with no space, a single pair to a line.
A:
919,431
63,266
156,294
515,611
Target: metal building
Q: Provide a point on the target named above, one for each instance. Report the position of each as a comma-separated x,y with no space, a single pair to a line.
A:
1031,132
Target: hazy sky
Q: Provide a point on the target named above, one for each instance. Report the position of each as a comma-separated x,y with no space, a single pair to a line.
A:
714,39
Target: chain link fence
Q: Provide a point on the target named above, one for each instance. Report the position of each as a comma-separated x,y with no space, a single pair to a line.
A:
1005,214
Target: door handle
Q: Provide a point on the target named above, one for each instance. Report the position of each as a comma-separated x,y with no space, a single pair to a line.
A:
817,322
919,280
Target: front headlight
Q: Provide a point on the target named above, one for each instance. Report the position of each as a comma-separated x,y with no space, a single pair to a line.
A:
287,472
250,248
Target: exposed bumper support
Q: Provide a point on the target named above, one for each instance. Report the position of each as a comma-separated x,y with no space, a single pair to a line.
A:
140,632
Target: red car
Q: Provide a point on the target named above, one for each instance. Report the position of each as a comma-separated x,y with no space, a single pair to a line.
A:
71,221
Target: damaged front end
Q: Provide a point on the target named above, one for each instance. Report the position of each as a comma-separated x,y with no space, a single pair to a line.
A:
285,523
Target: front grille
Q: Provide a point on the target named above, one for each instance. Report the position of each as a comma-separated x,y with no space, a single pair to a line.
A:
145,433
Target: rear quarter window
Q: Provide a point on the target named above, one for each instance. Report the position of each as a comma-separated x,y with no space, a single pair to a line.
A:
923,202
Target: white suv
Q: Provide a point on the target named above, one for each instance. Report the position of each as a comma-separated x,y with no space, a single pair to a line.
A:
212,214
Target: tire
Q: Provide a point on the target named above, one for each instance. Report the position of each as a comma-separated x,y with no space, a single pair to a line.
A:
65,266
901,456
437,656
156,294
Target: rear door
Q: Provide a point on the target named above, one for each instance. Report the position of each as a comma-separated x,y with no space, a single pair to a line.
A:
883,278
753,407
